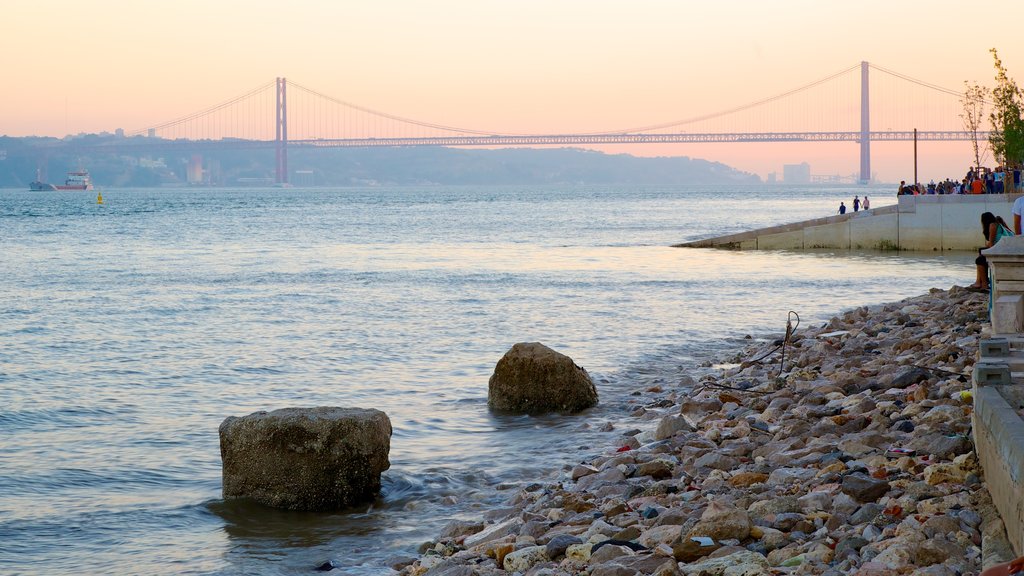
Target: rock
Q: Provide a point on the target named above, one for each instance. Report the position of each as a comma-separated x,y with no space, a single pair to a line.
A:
667,534
557,546
670,426
941,445
896,557
936,551
608,552
523,560
458,528
787,476
814,502
863,487
744,563
581,470
866,513
613,569
745,479
494,532
944,472
722,521
717,461
849,545
656,469
579,552
690,549
315,459
532,378
780,505
452,569
909,376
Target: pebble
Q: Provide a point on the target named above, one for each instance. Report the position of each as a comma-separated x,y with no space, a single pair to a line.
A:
857,459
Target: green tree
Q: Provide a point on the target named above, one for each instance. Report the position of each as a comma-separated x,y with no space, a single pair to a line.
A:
973,101
1007,136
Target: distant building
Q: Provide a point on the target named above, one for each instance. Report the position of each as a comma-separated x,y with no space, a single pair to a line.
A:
772,178
796,173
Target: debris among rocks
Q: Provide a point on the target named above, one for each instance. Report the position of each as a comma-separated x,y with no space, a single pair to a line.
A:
855,460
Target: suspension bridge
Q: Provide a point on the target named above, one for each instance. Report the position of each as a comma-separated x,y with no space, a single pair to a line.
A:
847,106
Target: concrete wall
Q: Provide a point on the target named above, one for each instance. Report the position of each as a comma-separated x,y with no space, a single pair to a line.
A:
999,442
926,223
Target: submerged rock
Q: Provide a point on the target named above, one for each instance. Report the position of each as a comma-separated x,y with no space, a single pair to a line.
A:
316,459
532,378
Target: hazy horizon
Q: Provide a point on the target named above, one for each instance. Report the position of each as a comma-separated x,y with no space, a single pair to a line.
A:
527,67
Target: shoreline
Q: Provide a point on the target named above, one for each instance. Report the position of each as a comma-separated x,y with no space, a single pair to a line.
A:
858,460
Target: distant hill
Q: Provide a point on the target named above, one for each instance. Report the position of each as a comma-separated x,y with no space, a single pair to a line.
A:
365,166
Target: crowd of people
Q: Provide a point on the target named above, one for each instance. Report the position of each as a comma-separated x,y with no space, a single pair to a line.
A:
1001,180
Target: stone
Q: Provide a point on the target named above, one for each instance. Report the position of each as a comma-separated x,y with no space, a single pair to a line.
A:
780,505
814,502
532,378
716,460
656,469
670,426
788,476
522,560
896,557
743,563
863,487
944,472
613,569
721,521
579,552
746,479
556,547
459,528
314,459
608,552
909,376
667,534
941,445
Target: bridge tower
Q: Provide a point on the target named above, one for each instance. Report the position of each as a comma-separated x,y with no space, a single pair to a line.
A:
281,138
865,126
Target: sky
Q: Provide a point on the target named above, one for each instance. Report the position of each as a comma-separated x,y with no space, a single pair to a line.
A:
524,66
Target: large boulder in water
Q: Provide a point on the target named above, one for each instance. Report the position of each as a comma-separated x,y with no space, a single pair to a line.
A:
322,458
532,378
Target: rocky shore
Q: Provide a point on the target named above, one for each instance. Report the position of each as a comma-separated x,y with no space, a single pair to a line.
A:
854,456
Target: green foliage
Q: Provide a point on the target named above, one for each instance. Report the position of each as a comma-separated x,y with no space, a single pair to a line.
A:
1007,117
973,101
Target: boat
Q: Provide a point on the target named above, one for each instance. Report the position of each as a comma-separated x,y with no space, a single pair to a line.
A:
77,180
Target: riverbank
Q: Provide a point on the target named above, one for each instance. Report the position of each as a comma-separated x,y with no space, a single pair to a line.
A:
858,460
933,223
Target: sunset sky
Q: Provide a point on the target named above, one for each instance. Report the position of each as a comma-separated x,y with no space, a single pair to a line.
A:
527,66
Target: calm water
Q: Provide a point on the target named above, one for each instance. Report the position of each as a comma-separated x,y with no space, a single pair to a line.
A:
129,331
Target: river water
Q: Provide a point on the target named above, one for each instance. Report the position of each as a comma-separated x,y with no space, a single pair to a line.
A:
129,331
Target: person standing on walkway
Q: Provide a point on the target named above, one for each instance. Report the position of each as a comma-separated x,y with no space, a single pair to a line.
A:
867,203
856,203
842,207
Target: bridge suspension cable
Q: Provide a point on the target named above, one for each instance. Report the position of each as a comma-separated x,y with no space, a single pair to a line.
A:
207,111
730,110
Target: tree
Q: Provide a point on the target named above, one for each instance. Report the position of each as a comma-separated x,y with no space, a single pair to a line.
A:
1007,136
973,102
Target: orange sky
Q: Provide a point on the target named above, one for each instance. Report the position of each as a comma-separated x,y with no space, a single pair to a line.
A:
538,66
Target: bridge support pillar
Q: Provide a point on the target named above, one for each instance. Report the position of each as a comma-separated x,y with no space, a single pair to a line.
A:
281,134
865,126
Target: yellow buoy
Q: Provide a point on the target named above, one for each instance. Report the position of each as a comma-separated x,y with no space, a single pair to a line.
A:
99,197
